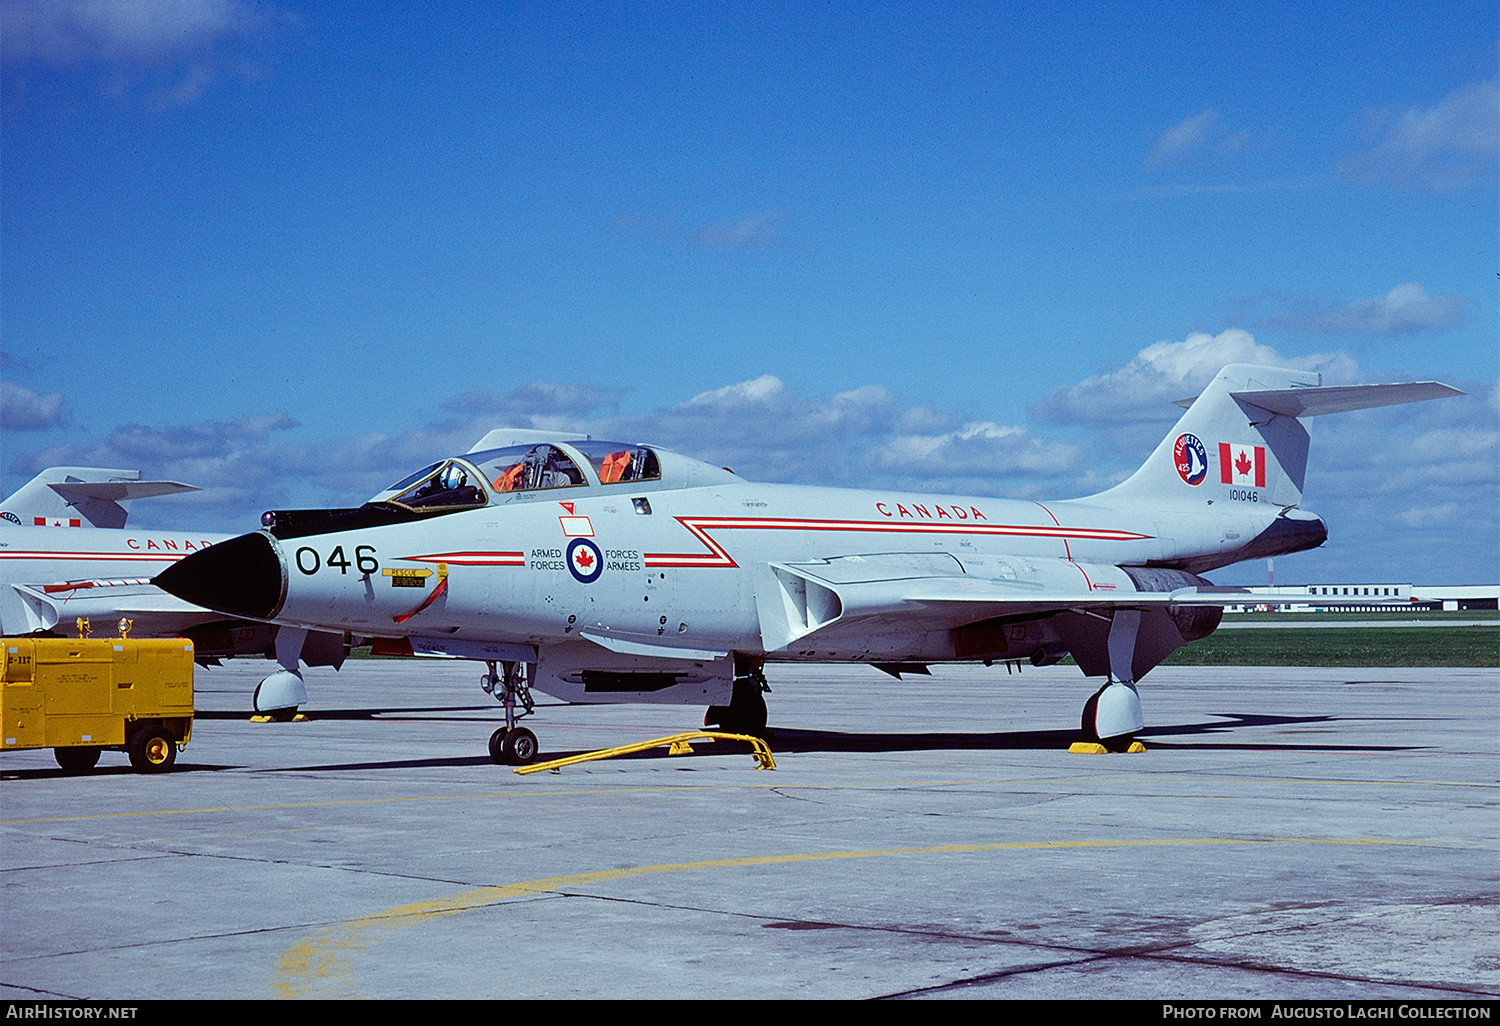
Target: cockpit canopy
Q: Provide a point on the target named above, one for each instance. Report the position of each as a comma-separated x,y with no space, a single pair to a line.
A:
468,482
498,476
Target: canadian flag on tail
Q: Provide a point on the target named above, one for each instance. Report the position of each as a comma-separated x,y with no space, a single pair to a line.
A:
1242,464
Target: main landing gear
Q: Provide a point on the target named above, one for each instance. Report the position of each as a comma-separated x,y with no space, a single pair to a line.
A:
511,745
746,711
1112,716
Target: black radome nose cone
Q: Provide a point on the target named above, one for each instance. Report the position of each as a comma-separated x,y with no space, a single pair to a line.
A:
241,577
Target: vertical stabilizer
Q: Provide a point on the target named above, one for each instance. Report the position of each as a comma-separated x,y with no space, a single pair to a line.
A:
1225,448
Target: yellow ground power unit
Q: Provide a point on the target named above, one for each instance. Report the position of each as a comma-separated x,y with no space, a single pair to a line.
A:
80,696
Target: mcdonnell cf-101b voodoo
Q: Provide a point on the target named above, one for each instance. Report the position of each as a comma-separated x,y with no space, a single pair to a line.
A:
599,571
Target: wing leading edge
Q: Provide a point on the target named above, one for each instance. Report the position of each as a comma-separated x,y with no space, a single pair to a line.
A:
799,603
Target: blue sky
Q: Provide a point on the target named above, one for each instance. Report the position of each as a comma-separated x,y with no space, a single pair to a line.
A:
289,251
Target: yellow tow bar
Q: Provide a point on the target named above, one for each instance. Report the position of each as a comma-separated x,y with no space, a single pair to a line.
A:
678,743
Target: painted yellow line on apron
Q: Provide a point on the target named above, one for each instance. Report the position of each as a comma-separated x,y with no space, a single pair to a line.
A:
321,966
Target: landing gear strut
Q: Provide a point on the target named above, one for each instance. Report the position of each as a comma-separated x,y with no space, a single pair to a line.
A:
746,711
1113,715
511,745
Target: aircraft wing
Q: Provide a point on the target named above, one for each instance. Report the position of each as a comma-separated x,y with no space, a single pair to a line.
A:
104,603
933,591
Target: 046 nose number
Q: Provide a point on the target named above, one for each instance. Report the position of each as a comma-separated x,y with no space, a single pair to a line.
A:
364,562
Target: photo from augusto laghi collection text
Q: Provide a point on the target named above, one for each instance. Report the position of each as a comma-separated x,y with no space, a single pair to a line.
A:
1331,1010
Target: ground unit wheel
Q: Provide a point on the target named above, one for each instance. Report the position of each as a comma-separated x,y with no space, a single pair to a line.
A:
497,747
153,749
77,759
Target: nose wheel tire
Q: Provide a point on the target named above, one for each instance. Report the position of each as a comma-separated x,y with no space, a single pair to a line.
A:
515,747
746,711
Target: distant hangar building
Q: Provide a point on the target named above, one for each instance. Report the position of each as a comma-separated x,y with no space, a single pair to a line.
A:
1359,597
1481,597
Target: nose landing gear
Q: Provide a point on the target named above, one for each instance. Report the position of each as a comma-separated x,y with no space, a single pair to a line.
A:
746,711
511,745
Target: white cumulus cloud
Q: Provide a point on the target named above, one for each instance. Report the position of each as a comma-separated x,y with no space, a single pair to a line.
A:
1162,373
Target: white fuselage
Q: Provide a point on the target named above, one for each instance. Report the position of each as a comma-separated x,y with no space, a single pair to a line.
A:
545,567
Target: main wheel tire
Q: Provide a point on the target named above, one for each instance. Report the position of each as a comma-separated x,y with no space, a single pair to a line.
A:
1090,722
153,749
746,711
77,759
497,747
520,747
286,715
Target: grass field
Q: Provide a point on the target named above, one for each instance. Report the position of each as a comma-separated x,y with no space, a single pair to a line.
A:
1345,646
1437,645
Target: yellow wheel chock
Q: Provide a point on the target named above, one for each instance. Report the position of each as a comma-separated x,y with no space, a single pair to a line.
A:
677,744
1093,748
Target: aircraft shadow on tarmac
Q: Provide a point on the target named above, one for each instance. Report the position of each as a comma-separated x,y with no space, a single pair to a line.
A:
783,740
395,712
787,740
790,740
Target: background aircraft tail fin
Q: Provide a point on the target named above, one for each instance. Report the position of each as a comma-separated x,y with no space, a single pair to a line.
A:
82,497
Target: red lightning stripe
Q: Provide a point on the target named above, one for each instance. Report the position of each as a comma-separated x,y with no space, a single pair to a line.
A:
1066,550
101,557
473,558
716,556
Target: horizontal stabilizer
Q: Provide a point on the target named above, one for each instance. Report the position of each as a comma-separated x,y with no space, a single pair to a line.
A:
1310,402
117,491
82,496
1244,439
